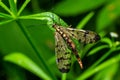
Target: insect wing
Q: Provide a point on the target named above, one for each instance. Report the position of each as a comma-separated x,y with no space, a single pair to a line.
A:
63,54
84,36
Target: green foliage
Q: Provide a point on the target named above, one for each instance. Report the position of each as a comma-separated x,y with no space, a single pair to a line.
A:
71,7
26,63
28,40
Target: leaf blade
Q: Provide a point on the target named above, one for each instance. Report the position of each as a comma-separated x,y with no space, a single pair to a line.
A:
25,62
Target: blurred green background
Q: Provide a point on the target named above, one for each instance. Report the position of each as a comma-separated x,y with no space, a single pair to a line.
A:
27,40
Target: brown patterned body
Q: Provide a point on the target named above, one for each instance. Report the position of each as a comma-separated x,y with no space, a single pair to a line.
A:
63,54
64,35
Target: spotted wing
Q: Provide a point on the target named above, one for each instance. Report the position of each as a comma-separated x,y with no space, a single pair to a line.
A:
84,36
63,54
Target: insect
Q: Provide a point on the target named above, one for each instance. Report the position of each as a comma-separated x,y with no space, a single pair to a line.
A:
65,45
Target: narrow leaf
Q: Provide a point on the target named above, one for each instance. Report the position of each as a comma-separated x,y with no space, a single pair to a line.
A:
23,7
108,41
27,63
3,15
6,21
51,18
107,63
97,49
13,6
6,8
85,20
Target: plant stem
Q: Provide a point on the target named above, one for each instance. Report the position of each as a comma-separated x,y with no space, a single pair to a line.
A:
105,64
85,20
64,75
33,45
100,60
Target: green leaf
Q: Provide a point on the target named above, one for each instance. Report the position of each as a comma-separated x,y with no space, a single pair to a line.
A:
86,49
34,46
73,7
108,14
85,20
3,15
109,73
27,63
23,7
107,63
51,18
88,71
6,21
6,8
13,6
14,72
108,41
97,49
